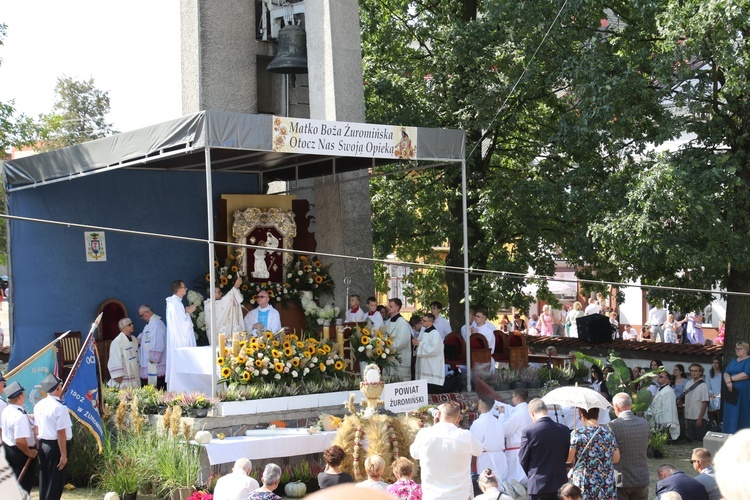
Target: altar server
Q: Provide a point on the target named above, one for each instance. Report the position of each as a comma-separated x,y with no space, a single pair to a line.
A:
180,331
355,312
373,315
515,424
430,357
490,431
400,332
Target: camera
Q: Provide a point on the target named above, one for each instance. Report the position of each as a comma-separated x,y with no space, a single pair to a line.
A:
433,412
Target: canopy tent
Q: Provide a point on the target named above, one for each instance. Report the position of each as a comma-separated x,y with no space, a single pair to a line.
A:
161,179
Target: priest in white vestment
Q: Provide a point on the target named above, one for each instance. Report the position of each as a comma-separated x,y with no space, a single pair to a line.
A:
264,317
430,356
227,313
124,368
663,408
152,351
180,331
490,431
400,333
515,423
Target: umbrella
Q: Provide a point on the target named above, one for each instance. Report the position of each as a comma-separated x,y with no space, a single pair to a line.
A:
578,397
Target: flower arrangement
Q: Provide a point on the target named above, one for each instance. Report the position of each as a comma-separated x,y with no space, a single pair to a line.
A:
308,274
373,347
287,359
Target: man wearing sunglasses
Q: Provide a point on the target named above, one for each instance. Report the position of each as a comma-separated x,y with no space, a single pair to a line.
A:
664,406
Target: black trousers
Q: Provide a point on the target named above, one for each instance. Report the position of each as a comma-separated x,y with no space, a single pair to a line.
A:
17,460
161,382
51,480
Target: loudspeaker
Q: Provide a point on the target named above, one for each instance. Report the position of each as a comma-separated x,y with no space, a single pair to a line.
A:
594,328
713,441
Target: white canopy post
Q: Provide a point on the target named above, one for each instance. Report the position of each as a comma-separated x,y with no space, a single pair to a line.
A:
211,270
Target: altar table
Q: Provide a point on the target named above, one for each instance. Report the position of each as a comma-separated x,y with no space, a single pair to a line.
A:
268,443
193,369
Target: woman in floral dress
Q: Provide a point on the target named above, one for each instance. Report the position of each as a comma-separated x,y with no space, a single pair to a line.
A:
593,453
404,488
271,479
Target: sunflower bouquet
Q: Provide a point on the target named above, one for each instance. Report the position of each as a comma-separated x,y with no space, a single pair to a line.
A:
308,274
286,359
373,346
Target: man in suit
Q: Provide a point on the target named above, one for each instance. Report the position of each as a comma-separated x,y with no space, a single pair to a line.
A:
703,465
632,434
544,450
671,479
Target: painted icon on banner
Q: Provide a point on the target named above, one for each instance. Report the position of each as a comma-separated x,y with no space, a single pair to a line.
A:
96,249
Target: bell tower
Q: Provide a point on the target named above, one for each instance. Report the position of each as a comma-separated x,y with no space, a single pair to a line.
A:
227,46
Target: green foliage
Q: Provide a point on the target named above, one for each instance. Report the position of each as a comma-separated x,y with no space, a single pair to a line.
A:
569,169
83,456
78,115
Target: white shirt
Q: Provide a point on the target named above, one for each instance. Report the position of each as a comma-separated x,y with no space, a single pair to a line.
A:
444,452
631,334
490,431
50,416
16,424
227,314
592,309
235,486
442,325
488,330
657,316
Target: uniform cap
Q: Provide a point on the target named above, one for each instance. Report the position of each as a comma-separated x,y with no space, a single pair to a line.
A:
50,383
13,390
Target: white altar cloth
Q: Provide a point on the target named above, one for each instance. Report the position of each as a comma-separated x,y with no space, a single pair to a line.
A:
193,367
268,443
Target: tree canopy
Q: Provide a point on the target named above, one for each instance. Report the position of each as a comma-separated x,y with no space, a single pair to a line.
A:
623,148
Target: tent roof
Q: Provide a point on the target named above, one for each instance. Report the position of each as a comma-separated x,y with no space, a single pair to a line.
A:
238,142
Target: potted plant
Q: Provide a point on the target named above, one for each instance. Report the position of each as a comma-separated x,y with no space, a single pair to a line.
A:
531,377
515,378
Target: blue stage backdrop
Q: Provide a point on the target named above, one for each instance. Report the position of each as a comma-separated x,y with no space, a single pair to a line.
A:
55,289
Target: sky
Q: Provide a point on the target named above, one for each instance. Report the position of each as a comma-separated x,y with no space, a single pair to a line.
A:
131,50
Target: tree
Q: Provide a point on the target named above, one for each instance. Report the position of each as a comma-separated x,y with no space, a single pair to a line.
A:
78,115
571,166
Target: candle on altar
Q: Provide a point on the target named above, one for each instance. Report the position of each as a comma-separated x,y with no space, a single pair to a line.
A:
222,345
235,343
340,340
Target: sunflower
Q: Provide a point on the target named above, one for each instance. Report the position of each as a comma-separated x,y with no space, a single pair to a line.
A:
338,365
322,367
208,277
246,376
235,269
365,331
292,337
288,352
317,263
241,359
286,344
303,258
216,264
307,268
318,279
279,367
232,257
226,372
300,344
268,334
380,334
261,345
259,363
379,351
321,352
243,343
219,361
275,343
310,350
388,342
327,348
365,340
295,361
249,351
223,280
378,343
244,288
275,354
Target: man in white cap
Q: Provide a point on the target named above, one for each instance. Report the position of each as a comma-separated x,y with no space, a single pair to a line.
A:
18,435
54,429
236,485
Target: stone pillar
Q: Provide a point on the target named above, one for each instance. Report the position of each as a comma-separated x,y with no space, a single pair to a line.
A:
219,54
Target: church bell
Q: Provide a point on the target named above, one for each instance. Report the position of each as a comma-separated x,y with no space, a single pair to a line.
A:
291,57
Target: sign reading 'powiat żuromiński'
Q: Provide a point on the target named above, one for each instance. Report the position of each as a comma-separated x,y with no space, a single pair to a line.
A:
318,137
